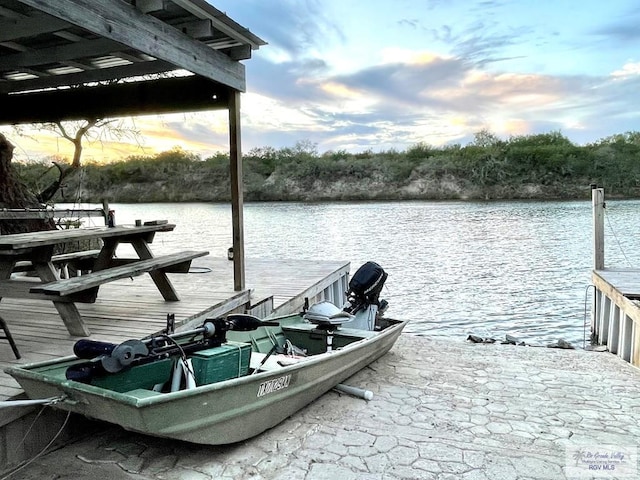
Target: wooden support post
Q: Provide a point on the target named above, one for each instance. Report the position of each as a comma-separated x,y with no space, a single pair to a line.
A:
235,158
597,199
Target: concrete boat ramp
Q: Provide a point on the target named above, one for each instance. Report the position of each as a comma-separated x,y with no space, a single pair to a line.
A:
442,409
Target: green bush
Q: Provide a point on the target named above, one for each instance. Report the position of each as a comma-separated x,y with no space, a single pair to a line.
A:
488,167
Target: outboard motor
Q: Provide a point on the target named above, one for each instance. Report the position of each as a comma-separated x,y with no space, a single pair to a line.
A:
363,296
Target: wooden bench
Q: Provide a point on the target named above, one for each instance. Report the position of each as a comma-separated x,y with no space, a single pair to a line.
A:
83,260
85,287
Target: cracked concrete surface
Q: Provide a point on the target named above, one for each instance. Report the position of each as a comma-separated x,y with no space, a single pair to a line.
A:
442,410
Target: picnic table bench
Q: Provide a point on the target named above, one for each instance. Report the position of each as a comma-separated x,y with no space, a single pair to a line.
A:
84,288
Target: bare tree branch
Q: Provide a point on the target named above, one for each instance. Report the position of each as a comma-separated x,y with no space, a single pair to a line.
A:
92,130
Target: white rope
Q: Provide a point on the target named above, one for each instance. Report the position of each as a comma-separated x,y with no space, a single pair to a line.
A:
613,232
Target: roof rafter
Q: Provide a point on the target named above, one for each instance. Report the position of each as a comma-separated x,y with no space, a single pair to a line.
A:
96,75
202,9
28,26
62,53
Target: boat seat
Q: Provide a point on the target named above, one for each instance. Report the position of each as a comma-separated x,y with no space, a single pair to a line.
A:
7,336
274,362
141,393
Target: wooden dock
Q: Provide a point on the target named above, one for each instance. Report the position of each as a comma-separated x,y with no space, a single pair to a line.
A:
615,319
616,313
133,308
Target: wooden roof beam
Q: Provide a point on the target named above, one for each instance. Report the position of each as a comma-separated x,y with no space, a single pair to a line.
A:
241,52
148,6
123,23
197,29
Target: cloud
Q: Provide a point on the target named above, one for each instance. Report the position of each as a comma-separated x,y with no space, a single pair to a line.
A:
284,81
631,69
623,29
480,43
443,99
294,28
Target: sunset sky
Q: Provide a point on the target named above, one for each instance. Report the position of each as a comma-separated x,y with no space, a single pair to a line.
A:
386,74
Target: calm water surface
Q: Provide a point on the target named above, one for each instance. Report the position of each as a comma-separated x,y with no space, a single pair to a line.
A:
455,268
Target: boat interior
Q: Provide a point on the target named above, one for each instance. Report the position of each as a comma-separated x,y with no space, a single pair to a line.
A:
222,349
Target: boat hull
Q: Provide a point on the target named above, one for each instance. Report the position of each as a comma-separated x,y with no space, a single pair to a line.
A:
220,413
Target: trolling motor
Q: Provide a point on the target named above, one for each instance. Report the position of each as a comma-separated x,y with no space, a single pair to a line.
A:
105,358
363,296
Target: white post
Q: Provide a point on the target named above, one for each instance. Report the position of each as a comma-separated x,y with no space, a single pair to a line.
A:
597,199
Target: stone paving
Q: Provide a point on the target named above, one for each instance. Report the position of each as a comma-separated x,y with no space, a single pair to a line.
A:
442,410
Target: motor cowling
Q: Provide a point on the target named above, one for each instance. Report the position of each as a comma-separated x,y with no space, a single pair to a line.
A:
365,287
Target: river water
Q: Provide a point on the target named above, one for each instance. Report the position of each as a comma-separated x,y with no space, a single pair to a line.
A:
455,268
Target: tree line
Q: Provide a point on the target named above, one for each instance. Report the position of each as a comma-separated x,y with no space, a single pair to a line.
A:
540,166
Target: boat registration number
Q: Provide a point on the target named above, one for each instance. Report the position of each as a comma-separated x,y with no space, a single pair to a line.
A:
274,385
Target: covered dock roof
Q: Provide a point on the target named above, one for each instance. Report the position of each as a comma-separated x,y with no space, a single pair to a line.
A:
82,59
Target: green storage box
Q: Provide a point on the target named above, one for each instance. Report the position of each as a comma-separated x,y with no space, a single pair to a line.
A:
229,360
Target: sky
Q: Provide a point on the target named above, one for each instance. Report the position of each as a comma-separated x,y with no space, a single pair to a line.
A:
358,75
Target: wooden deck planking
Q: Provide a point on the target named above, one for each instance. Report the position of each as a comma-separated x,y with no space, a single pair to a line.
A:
128,308
626,281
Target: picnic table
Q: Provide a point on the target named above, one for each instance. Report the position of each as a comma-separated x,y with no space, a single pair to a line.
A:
35,251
